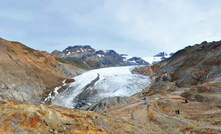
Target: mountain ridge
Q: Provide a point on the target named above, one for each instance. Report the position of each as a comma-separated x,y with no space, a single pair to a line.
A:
93,58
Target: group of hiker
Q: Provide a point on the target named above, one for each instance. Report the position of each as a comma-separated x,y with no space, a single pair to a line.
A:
176,111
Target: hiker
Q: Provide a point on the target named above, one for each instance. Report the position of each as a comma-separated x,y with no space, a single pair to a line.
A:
177,111
145,101
186,101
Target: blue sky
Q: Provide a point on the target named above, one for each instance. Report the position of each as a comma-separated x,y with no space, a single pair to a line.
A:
136,27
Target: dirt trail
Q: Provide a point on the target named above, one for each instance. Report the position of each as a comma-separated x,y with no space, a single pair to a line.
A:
161,118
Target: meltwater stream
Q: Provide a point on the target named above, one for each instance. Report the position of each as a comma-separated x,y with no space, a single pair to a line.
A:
97,84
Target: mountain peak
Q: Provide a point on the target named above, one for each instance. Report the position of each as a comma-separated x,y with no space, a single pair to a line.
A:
78,49
161,54
97,58
158,57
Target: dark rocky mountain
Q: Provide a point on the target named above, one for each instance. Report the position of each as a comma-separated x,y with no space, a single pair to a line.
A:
91,58
161,54
137,60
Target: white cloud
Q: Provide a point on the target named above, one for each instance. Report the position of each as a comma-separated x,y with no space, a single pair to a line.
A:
170,25
137,27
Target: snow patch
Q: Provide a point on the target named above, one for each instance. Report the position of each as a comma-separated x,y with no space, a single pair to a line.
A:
127,57
55,91
99,55
68,53
105,51
152,60
132,61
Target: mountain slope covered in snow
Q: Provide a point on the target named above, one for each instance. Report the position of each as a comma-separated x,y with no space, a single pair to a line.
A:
157,58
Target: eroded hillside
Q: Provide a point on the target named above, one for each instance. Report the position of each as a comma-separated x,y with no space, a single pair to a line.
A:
28,75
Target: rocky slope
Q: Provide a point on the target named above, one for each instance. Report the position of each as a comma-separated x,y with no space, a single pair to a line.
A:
193,74
28,75
193,65
91,58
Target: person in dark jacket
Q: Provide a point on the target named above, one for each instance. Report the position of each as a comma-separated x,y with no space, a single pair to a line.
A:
186,100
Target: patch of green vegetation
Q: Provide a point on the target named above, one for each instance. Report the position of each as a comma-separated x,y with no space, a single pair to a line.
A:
75,63
33,51
11,51
30,50
62,60
80,65
93,64
186,50
39,54
191,48
10,56
16,42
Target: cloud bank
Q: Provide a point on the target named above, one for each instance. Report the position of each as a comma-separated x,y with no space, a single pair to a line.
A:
137,27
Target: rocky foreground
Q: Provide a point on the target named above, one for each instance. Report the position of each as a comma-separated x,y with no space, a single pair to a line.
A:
48,119
134,118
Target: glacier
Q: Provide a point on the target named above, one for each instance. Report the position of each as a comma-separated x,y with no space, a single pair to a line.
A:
97,84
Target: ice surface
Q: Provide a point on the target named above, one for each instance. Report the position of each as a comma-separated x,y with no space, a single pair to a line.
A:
114,81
